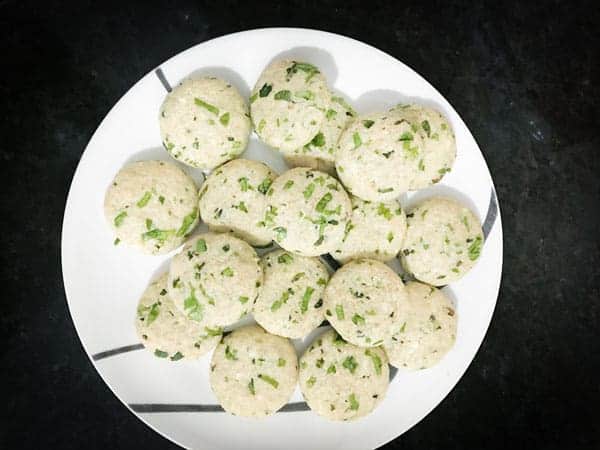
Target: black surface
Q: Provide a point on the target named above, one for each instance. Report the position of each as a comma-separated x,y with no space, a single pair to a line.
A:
524,77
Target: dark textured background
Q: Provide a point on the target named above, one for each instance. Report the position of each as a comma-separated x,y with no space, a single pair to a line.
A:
523,77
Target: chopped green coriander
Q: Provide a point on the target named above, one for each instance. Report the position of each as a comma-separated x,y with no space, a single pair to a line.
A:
160,353
390,236
244,186
227,272
298,276
267,379
177,356
307,68
308,192
322,204
281,362
331,369
288,184
253,98
243,299
192,308
251,387
330,114
120,218
283,95
148,224
318,140
384,211
475,248
211,108
421,165
311,381
339,312
159,235
279,302
213,331
144,200
350,363
161,199
354,405
264,186
265,90
357,319
465,221
153,314
187,223
319,363
403,327
242,207
426,127
385,190
230,353
321,281
281,233
201,245
376,361
368,123
306,94
261,125
357,140
224,119
305,299
406,136
116,241
285,258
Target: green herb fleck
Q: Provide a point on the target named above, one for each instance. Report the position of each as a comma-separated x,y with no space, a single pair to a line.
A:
308,192
177,356
331,369
251,386
224,119
384,190
357,319
376,361
350,363
278,303
280,362
368,123
264,186
475,248
192,308
161,199
267,379
318,140
309,69
265,90
144,200
384,211
116,241
187,223
244,186
243,299
160,353
305,299
230,353
306,95
330,114
120,218
227,272
357,140
281,233
285,258
390,236
426,127
311,381
213,331
284,95
213,109
354,405
339,312
288,184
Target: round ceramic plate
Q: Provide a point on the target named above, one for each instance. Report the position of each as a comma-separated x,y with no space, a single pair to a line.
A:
103,282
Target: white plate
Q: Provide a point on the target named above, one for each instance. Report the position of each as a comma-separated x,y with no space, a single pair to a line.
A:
103,282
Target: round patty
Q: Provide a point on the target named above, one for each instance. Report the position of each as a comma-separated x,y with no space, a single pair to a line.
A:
378,156
363,300
443,241
288,104
204,122
307,211
151,205
439,144
290,303
319,153
165,331
253,373
341,381
376,230
233,198
215,279
426,329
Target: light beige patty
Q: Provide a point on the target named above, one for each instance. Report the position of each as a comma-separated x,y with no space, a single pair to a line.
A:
253,373
165,331
307,211
290,303
204,122
341,381
288,104
233,198
152,206
363,300
443,241
425,331
215,279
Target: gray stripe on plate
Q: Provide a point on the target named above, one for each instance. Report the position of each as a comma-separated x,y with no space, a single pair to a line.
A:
161,76
492,213
177,408
116,351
